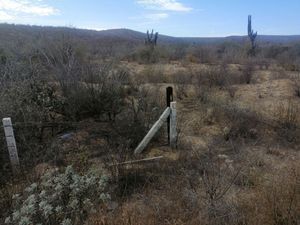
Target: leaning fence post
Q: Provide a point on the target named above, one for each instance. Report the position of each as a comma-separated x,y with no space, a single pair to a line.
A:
11,144
173,125
158,124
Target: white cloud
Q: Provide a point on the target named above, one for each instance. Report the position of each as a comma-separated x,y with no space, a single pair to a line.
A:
94,28
168,5
10,9
5,16
156,16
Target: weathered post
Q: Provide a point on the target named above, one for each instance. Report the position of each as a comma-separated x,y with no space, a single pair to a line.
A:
152,131
169,100
173,125
11,144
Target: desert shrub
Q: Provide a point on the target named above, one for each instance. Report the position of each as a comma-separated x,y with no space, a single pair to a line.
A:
151,54
288,58
297,85
217,178
280,74
231,90
143,108
30,101
273,202
216,76
200,54
240,122
100,91
287,119
152,74
274,51
178,52
59,198
263,64
87,89
147,55
182,80
282,198
232,53
248,71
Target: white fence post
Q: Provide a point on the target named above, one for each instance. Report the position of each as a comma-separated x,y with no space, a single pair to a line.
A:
173,125
11,144
152,131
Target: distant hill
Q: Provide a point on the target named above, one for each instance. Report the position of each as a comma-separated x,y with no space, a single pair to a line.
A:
9,32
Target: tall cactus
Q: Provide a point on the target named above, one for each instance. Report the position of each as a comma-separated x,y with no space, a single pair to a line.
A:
252,36
151,38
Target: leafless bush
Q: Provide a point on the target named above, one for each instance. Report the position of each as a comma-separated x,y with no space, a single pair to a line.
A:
150,55
217,177
178,52
263,64
86,89
152,74
200,54
203,93
142,109
241,122
280,74
297,85
212,76
28,99
99,92
248,72
287,118
275,201
217,76
182,81
282,197
231,91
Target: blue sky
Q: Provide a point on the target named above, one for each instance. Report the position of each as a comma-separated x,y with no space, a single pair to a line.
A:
203,18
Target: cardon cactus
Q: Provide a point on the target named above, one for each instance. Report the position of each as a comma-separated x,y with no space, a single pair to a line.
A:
252,35
151,38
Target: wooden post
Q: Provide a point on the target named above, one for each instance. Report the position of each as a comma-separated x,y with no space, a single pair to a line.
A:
11,144
158,124
169,100
173,125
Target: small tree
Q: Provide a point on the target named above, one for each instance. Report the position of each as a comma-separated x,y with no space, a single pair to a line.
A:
252,36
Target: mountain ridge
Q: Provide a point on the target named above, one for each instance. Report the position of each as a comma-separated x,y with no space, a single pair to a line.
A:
135,36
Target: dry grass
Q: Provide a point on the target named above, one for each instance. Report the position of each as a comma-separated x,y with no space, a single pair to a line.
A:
240,179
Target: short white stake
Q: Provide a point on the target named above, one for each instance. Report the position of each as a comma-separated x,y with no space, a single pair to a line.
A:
11,144
173,125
